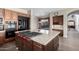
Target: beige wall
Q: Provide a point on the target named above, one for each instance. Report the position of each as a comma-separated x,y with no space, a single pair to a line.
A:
34,20
65,13
77,22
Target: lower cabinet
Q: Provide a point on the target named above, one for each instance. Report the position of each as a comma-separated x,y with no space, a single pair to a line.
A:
26,44
23,44
2,37
1,40
37,46
18,43
53,45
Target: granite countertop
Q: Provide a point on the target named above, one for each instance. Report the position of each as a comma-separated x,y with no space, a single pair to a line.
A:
45,38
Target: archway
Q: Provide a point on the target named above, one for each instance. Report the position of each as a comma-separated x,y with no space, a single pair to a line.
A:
73,24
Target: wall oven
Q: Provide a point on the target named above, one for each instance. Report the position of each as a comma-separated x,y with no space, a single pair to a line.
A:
10,33
10,29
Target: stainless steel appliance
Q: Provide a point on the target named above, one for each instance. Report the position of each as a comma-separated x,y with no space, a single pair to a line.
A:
10,33
11,28
11,25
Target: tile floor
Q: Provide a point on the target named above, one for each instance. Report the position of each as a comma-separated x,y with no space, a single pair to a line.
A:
71,43
8,47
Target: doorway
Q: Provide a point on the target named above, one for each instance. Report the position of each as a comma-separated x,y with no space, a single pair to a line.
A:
73,25
71,43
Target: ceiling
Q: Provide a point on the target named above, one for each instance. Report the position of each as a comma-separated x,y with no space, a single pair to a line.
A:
39,12
74,12
43,11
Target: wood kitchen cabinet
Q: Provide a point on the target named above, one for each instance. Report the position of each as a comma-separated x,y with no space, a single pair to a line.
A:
58,20
27,44
19,44
51,46
23,43
58,24
37,46
10,15
7,15
1,40
2,37
14,16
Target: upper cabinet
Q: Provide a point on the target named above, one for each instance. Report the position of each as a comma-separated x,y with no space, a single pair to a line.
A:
7,15
14,16
58,20
10,15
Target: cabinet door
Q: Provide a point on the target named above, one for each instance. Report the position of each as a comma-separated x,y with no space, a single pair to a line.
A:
58,20
7,15
52,45
55,20
14,16
1,40
19,44
27,44
37,46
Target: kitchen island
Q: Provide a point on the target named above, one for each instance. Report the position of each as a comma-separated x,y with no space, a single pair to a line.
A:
35,41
